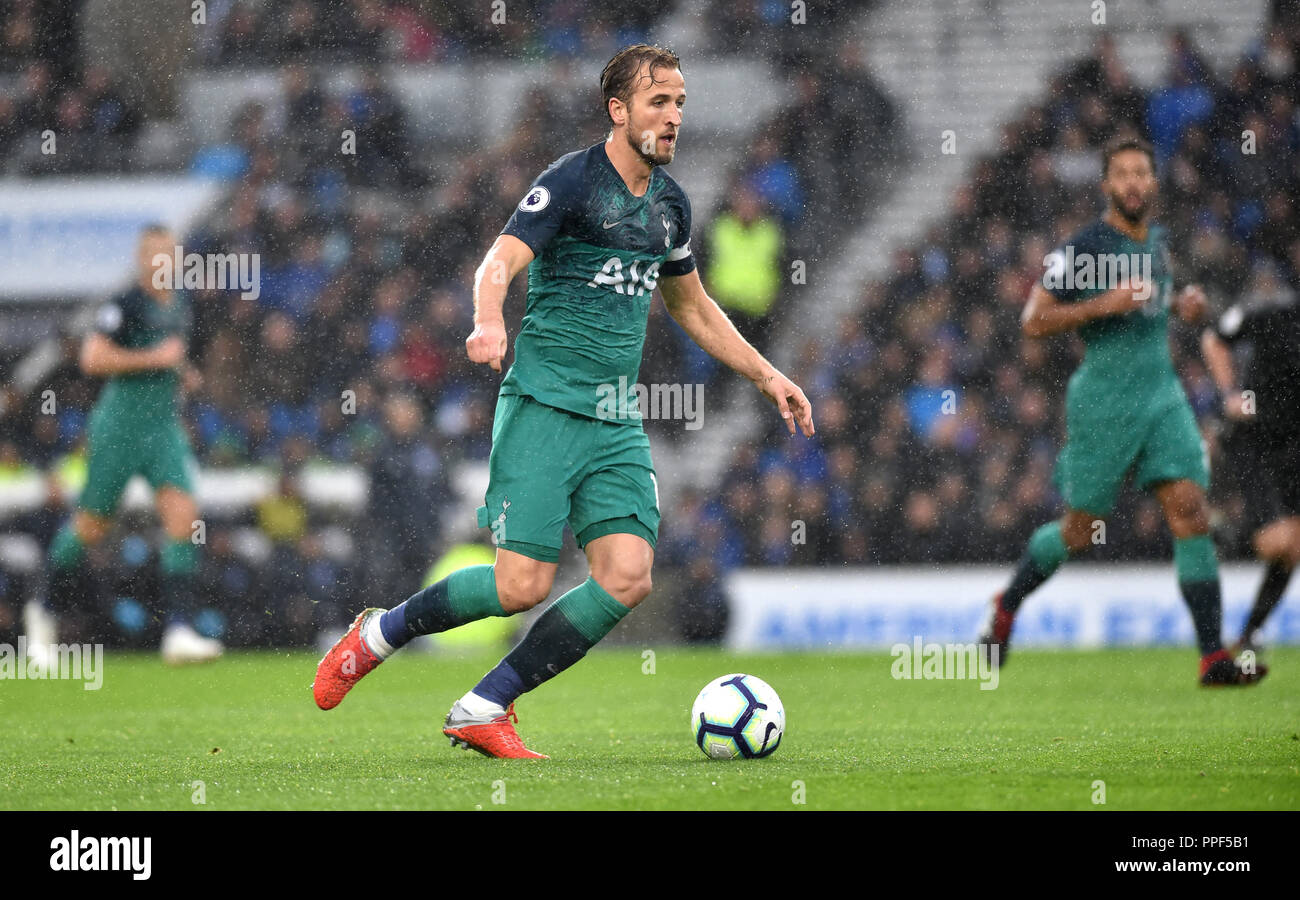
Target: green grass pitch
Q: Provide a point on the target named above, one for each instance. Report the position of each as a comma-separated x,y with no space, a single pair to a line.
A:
246,728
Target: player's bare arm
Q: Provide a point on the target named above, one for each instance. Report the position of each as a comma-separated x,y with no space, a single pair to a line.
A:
1044,315
702,319
506,259
1191,304
191,379
1218,359
101,357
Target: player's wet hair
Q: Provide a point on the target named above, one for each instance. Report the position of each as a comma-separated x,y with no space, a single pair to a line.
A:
153,228
618,79
1119,145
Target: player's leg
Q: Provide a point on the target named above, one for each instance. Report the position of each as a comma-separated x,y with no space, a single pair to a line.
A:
1174,464
169,466
54,592
615,519
1197,566
1278,544
109,466
84,529
576,622
179,559
1089,473
526,504
1048,547
561,636
514,583
1273,497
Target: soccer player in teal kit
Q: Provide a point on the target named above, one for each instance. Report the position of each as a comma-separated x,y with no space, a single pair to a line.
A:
139,345
600,229
1125,408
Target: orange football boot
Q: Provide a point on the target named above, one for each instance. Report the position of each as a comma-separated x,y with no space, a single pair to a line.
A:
490,736
1219,669
346,663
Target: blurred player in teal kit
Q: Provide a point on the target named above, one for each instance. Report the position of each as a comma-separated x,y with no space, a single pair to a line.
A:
1125,408
139,345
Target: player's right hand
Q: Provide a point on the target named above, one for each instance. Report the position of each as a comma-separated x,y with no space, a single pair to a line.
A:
170,352
789,399
1234,407
1128,298
487,344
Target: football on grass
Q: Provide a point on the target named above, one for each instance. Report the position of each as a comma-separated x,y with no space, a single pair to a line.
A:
738,716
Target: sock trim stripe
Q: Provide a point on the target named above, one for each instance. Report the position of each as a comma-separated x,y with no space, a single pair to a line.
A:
594,619
613,607
372,635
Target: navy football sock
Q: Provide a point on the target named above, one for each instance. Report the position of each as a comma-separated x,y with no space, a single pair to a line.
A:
1198,578
465,595
559,638
1270,593
1043,556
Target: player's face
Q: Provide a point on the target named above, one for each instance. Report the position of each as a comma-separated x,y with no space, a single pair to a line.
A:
1130,184
654,117
151,245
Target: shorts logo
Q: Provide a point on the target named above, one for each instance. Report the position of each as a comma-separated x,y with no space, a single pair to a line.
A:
535,200
499,523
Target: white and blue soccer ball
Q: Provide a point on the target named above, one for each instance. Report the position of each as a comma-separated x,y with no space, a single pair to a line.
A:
738,715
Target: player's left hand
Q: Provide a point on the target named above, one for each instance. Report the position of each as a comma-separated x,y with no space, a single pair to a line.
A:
191,379
1191,304
789,399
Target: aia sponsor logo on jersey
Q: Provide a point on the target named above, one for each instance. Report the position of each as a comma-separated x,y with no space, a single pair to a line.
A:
629,280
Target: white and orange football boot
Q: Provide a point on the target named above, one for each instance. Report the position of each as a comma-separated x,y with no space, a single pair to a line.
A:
490,733
346,663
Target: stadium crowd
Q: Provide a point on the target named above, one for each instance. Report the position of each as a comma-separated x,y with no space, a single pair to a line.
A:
937,422
903,470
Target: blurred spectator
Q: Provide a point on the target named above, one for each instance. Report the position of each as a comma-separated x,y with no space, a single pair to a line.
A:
282,516
744,270
701,610
408,484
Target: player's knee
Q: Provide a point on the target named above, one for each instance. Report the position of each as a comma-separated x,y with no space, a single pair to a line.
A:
178,529
636,589
628,584
1188,519
178,512
91,529
1186,511
521,589
1078,529
1193,524
1279,542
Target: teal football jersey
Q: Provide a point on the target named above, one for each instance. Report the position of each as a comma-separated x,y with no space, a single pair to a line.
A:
599,253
